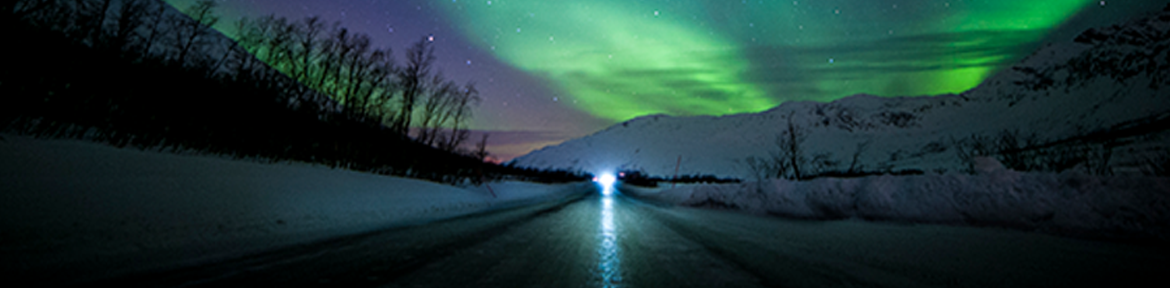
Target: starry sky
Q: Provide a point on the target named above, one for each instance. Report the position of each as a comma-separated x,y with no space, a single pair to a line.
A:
552,70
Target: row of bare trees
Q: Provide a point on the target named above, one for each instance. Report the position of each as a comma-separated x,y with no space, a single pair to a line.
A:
137,73
333,60
361,80
141,28
788,159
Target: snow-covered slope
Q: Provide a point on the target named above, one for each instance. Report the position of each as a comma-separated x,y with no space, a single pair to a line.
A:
93,210
1108,78
1071,203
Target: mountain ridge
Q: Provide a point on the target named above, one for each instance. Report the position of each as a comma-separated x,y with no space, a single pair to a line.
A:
1103,78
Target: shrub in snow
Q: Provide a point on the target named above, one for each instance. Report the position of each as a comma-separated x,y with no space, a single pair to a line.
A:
985,164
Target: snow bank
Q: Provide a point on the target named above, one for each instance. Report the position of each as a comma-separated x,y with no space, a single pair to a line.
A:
88,208
1071,204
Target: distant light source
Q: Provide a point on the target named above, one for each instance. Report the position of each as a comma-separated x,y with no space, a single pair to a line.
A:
606,179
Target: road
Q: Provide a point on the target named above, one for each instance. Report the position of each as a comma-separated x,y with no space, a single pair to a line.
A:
599,240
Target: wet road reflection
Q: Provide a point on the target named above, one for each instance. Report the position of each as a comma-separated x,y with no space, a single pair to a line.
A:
608,252
608,239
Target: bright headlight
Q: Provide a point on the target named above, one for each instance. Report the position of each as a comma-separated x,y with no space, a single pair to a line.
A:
606,179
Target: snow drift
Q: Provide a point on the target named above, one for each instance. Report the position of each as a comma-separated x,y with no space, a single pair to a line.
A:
1070,203
94,210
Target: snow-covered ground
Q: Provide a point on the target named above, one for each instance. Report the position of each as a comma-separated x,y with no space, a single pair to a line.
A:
1071,204
95,210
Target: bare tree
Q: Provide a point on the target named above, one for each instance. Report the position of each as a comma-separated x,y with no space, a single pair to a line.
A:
189,32
249,39
280,46
371,79
156,16
332,51
130,16
419,58
438,101
789,144
311,29
460,113
386,87
481,148
358,64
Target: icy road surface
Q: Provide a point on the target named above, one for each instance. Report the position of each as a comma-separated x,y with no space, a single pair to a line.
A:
618,241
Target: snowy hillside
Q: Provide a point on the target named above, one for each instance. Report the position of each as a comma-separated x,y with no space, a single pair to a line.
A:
93,210
1101,99
1071,203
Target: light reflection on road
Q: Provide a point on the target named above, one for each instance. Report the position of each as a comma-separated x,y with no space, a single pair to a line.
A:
609,266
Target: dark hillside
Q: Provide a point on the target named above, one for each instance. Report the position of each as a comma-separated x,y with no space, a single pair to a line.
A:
59,81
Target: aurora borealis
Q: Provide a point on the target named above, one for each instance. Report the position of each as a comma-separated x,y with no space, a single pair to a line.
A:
624,59
553,70
625,64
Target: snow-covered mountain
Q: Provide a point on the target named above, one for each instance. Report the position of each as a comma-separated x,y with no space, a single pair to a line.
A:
1096,103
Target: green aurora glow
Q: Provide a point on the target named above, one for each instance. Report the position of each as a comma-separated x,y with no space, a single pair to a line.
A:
621,59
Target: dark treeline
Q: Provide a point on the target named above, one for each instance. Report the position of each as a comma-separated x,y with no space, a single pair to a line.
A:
637,178
134,73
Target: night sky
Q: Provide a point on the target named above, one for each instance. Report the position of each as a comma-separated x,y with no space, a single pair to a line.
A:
553,70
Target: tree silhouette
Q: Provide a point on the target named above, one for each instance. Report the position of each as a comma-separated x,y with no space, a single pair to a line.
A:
481,148
190,31
280,91
435,109
460,113
419,58
130,16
